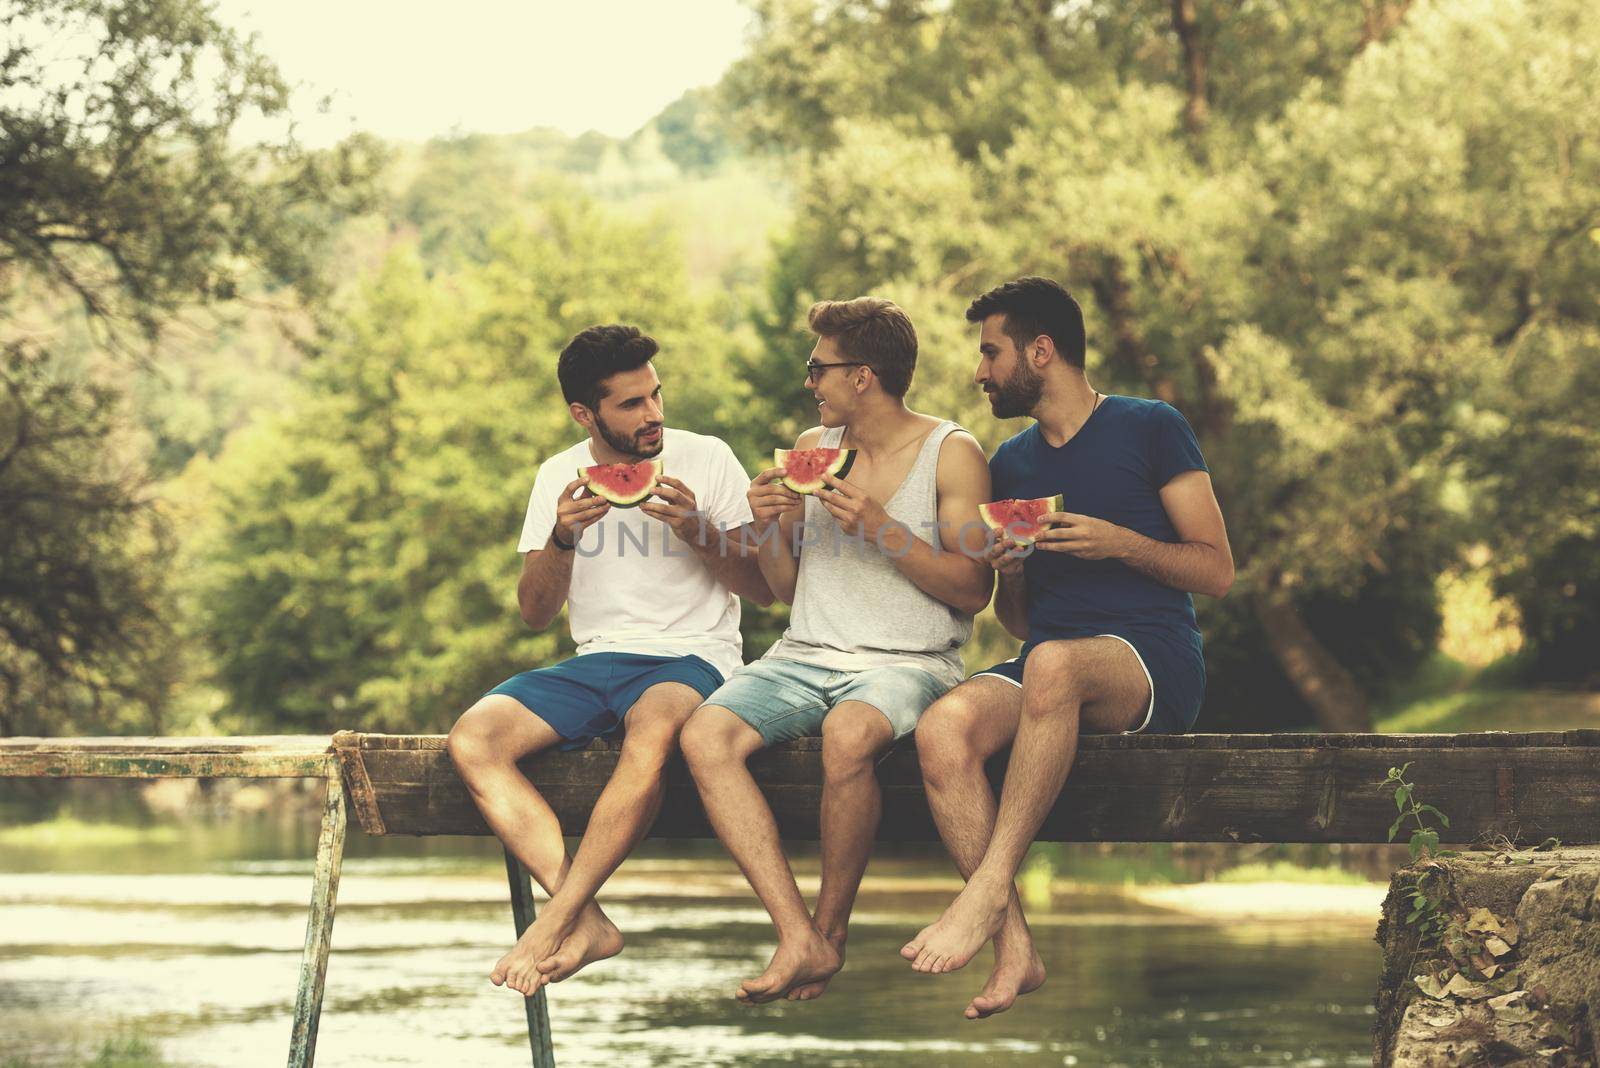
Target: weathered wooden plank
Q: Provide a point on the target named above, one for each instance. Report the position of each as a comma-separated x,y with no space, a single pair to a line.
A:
268,757
1492,739
319,928
1146,793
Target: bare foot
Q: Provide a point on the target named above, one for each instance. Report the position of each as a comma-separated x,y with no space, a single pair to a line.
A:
798,962
811,991
1011,978
954,938
518,969
587,943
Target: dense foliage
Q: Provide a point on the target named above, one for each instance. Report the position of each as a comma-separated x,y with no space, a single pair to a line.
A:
1357,245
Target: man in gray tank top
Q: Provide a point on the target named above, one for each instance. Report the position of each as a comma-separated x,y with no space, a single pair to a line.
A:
885,569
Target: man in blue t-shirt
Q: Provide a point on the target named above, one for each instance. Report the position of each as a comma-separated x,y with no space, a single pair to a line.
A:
1101,603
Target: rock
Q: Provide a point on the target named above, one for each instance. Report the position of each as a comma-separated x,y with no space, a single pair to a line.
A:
1533,934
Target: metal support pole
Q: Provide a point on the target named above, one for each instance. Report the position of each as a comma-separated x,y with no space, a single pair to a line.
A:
319,925
538,1014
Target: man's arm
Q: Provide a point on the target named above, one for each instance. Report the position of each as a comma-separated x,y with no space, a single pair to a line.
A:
1011,595
547,572
953,570
1200,561
778,512
723,553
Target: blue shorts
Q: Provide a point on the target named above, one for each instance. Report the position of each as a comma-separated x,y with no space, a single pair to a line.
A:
786,699
587,697
1176,670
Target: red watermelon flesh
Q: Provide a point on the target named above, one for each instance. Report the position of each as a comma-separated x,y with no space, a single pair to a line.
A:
803,468
624,485
1019,518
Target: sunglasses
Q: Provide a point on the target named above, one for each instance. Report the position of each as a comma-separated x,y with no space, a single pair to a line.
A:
814,369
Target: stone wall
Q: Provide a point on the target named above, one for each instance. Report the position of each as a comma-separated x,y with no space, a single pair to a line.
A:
1512,976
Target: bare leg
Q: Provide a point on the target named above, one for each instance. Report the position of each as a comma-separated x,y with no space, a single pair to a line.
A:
717,744
622,815
1098,679
955,737
854,735
485,744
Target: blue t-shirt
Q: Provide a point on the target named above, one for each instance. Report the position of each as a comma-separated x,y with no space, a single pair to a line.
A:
1112,469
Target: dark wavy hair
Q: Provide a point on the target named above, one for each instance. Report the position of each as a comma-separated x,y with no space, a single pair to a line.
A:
595,355
1034,306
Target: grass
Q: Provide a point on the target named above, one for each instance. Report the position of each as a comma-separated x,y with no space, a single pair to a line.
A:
1493,708
72,832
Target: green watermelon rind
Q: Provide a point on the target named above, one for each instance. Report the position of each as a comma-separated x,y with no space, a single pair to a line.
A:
621,500
841,468
998,526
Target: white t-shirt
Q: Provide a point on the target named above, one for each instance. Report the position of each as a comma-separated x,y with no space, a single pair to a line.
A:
636,587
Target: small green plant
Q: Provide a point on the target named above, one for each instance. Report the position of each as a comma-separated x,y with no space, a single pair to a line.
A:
1430,890
1424,839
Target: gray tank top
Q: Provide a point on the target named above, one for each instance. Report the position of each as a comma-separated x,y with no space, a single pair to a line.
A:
852,609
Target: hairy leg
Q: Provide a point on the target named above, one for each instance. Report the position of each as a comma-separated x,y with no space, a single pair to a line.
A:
622,815
954,739
485,745
1097,681
854,735
717,744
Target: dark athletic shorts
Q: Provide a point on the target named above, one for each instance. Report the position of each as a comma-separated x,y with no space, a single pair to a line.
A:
587,697
1176,670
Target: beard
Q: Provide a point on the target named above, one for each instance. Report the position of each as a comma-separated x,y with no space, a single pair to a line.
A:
1018,395
629,444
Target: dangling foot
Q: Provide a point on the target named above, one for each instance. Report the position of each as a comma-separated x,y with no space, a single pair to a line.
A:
1013,976
797,962
519,967
948,943
811,991
587,943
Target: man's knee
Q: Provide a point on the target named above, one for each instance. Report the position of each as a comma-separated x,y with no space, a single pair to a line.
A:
946,739
470,742
654,727
1054,678
852,740
714,736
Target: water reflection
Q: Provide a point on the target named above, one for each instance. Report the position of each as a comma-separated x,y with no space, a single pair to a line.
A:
195,943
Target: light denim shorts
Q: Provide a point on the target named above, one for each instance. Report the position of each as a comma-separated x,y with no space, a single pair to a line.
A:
785,699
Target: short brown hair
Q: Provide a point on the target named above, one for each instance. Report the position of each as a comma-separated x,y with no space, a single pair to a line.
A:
874,331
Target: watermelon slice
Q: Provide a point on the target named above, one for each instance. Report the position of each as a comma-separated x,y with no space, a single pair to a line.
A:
803,468
624,485
1020,519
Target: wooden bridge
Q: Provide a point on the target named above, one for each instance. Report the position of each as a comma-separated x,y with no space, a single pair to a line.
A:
1523,788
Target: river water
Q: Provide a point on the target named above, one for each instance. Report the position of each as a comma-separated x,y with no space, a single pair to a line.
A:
189,937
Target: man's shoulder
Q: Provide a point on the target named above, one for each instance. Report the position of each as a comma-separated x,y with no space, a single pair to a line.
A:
1014,444
708,444
1142,408
566,462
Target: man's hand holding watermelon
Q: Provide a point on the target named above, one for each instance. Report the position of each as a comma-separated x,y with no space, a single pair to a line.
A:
857,513
1083,536
679,511
1006,555
575,514
770,499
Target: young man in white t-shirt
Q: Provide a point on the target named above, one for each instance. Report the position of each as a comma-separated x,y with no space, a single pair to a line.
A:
652,600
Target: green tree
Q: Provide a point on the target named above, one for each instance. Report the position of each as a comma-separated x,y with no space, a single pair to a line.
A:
120,190
356,563
1321,259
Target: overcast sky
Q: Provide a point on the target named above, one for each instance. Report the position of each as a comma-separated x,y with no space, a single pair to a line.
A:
409,69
